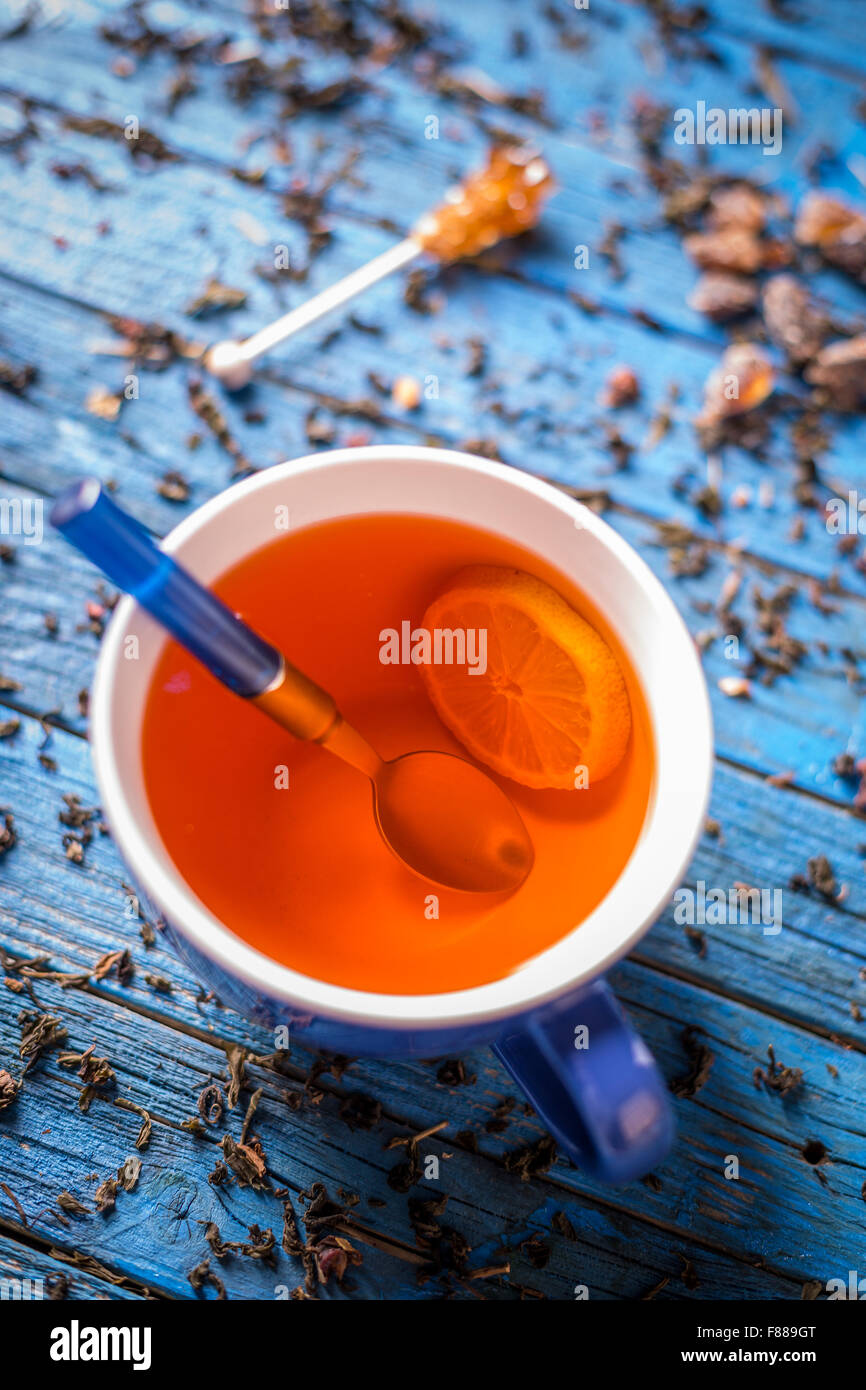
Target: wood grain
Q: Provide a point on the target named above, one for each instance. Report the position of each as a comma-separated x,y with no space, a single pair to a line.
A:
144,246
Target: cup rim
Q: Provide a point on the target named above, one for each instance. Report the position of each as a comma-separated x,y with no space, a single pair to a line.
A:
654,868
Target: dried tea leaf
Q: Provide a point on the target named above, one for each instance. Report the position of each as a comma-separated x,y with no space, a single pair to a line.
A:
8,836
210,1104
95,1072
128,1172
821,876
215,298
220,1174
498,1122
251,1110
39,1033
16,379
149,344
105,1194
9,1089
776,1077
159,983
454,1073
143,143
119,961
144,1133
236,1059
700,1064
246,1161
71,1204
173,486
536,1250
206,408
532,1161
260,1246
220,1247
203,1274
359,1111
563,1226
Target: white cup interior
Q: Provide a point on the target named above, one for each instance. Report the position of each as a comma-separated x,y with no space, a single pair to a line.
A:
566,534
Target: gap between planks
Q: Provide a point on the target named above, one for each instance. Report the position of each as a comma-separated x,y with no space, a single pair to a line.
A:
722,991
378,1240
774,43
29,1240
804,58
348,410
399,1249
752,40
355,216
766,566
296,1073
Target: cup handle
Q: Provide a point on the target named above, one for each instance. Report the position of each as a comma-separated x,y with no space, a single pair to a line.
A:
594,1084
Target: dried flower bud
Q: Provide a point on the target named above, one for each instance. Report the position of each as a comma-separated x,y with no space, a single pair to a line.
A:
792,320
722,296
840,371
836,229
500,201
734,248
742,380
777,252
738,205
621,388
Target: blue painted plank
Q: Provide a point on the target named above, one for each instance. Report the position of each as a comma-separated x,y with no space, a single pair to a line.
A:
538,400
382,182
819,34
28,1274
729,1115
809,972
305,1140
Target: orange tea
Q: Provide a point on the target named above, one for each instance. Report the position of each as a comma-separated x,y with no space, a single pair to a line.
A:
277,837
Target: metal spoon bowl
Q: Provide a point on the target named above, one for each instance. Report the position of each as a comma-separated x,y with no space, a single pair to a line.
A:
451,823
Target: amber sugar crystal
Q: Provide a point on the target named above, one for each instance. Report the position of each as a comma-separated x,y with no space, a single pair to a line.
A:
501,200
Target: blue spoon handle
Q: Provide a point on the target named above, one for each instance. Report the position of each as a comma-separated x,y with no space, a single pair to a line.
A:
201,622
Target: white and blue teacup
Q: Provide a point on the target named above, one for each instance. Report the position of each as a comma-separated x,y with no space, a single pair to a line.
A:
554,1021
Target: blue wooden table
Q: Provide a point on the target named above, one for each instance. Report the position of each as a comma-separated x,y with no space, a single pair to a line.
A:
312,138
